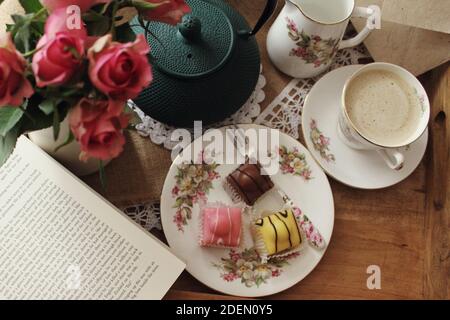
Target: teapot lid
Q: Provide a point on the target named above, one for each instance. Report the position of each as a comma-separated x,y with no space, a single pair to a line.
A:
200,45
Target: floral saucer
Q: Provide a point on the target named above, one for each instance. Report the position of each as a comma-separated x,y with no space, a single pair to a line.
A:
359,169
240,271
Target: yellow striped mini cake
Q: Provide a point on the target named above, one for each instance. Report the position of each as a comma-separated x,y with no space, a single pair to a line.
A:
276,233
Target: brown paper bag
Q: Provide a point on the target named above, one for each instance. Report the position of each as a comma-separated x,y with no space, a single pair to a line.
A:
431,15
414,34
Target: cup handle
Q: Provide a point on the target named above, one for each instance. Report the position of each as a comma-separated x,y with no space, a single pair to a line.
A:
394,159
361,12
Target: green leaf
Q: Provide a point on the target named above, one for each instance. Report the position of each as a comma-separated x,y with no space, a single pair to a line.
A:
21,31
69,140
56,124
36,30
31,6
99,27
179,202
35,119
70,91
134,117
9,27
188,213
9,117
102,174
125,34
47,106
305,38
103,7
24,36
143,5
7,145
93,16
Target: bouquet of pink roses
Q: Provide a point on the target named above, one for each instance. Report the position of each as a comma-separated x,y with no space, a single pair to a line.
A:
77,59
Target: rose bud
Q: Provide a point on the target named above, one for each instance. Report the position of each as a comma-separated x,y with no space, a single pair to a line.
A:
120,70
84,5
14,86
98,127
171,11
60,51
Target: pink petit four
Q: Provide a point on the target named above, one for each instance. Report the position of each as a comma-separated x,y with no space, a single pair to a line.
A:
221,226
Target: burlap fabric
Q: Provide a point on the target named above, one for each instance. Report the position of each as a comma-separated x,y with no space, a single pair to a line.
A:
137,175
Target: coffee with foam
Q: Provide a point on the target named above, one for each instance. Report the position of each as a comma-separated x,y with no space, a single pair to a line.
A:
383,107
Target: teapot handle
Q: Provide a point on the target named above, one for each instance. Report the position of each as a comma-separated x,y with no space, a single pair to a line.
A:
267,13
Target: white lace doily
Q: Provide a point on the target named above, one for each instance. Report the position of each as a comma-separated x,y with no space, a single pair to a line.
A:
160,133
146,215
283,113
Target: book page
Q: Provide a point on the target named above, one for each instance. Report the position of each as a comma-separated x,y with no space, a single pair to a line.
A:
60,240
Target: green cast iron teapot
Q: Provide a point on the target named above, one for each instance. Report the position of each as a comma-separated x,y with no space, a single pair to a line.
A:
205,68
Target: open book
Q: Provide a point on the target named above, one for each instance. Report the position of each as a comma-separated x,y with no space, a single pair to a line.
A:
61,240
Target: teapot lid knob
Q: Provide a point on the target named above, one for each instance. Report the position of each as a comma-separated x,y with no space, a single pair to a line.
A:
190,27
200,45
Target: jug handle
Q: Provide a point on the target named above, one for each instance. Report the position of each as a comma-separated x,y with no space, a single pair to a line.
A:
361,12
267,13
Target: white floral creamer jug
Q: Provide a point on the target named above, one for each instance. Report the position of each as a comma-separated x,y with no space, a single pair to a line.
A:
307,34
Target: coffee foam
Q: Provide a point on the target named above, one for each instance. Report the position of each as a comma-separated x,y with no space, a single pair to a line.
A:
383,107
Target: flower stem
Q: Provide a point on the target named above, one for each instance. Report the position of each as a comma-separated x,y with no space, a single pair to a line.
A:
30,53
39,13
25,112
113,19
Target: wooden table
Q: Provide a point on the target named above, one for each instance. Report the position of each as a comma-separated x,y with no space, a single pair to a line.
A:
403,229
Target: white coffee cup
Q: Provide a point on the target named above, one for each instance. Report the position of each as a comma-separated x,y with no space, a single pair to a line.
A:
355,134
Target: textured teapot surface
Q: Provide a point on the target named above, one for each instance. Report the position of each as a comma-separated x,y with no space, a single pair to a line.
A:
204,69
200,45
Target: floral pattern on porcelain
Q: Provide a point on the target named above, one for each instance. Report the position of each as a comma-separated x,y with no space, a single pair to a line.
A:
321,143
312,49
294,162
193,183
248,267
421,98
311,233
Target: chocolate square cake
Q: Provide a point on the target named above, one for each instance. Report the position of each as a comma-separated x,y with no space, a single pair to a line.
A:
247,184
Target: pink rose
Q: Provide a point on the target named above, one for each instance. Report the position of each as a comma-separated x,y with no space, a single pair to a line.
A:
175,191
98,127
84,5
120,70
324,140
171,12
212,175
317,38
60,51
276,273
14,86
230,277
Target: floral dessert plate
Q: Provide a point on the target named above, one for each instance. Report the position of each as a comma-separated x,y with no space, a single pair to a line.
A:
240,271
355,168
